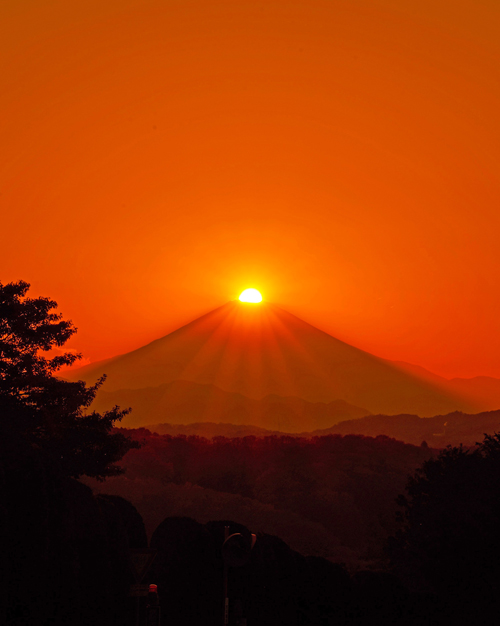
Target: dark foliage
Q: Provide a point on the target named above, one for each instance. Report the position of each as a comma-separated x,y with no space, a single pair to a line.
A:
449,541
275,586
190,573
185,569
348,484
326,594
65,553
46,411
125,519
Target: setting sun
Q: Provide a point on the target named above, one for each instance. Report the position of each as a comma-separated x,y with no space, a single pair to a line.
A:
250,295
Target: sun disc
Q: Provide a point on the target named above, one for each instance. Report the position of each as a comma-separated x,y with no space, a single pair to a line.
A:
250,295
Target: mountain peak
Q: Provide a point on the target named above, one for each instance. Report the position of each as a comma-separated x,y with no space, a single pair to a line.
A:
258,350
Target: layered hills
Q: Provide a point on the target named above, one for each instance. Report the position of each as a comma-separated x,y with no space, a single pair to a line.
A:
184,400
265,354
439,431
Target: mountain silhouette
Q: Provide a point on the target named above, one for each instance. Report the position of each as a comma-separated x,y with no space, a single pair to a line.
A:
262,350
187,401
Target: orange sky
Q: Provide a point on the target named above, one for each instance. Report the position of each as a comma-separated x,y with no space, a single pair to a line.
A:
343,156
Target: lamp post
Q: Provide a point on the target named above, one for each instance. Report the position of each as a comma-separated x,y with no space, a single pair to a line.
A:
236,551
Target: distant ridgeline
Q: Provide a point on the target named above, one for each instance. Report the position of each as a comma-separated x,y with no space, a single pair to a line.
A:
438,432
264,367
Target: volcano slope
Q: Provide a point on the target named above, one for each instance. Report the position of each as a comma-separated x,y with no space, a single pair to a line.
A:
262,350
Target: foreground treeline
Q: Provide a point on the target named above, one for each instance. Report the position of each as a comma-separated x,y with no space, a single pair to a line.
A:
66,557
436,562
332,496
65,561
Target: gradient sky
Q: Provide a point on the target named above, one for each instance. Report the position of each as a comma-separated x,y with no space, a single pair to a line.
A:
343,156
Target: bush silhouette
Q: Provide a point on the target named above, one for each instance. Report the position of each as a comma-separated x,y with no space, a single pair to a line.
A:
449,542
185,572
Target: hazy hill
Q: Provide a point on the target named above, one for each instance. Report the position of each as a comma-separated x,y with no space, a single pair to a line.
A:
439,431
182,401
262,350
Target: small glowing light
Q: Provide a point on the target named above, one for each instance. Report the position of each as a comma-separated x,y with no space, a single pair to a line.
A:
250,295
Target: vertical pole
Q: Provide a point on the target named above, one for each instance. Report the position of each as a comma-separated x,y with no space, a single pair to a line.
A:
153,607
226,597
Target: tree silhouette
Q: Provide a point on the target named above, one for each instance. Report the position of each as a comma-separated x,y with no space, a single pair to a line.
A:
49,412
449,541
